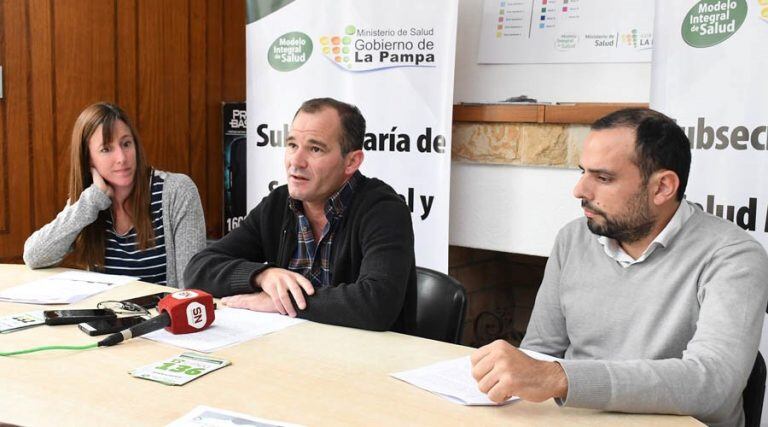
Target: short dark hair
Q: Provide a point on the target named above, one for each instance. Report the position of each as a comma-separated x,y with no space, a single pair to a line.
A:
352,121
659,142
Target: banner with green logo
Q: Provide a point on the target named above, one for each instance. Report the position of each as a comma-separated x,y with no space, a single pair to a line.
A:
394,60
709,73
709,65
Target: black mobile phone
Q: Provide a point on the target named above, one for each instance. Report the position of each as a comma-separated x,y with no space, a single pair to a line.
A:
110,326
71,317
148,301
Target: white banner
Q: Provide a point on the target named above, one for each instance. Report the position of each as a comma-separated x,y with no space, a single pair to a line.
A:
709,67
709,73
395,61
552,31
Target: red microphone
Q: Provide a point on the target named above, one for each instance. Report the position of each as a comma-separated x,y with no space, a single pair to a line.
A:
181,312
189,311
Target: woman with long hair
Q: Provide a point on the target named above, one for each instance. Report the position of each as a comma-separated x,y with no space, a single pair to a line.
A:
122,217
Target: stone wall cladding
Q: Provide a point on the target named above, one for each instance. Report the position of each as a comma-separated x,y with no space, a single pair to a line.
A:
521,144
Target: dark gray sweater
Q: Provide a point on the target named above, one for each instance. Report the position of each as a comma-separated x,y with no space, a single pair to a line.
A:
372,259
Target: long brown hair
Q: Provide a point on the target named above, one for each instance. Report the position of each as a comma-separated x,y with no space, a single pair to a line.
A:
89,245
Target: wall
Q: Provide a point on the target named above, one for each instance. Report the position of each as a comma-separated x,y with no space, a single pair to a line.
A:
518,208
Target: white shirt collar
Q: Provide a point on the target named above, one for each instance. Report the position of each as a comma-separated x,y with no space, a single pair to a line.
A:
614,250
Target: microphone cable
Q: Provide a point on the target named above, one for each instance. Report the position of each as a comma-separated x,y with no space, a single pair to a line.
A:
156,323
48,347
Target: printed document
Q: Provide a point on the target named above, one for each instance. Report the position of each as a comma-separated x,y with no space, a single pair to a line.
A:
64,288
20,321
205,416
452,380
231,326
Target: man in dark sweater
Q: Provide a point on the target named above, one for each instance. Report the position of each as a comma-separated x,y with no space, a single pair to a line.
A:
332,246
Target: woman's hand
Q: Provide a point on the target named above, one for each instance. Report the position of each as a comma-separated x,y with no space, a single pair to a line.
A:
101,184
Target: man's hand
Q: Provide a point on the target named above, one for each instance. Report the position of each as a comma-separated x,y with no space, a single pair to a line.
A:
259,301
280,284
502,371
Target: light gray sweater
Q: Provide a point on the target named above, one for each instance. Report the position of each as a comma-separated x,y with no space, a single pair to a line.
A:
677,333
183,222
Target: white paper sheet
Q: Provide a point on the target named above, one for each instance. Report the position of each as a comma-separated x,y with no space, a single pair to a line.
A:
231,326
64,288
20,321
205,416
452,380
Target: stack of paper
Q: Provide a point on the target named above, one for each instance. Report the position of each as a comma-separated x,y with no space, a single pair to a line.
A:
204,416
20,321
231,326
452,380
63,288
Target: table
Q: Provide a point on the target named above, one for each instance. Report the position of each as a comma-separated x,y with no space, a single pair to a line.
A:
310,374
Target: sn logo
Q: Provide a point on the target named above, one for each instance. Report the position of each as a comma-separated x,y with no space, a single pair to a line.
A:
196,315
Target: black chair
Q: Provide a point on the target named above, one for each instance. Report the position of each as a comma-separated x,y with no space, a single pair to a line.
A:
753,393
440,305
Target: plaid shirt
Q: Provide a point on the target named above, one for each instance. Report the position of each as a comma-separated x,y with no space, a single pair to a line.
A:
305,260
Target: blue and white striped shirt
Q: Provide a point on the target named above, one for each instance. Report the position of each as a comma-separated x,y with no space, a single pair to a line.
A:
122,255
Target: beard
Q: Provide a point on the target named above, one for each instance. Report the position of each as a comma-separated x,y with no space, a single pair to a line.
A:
635,223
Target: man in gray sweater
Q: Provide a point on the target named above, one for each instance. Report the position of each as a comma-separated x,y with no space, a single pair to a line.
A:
653,305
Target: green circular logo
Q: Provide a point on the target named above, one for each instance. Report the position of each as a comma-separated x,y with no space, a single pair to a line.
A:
710,22
289,51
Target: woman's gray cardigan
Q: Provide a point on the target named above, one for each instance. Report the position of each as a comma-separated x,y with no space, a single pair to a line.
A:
183,222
